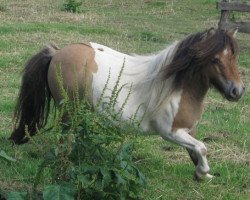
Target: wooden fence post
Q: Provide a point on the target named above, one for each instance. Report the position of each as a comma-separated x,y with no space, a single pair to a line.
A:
224,18
225,6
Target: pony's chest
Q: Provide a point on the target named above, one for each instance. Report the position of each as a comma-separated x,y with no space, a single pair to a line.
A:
189,112
162,121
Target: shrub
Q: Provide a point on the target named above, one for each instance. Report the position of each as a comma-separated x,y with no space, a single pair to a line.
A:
72,6
91,159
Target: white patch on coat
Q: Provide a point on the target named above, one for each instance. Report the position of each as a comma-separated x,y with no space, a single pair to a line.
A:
225,52
155,97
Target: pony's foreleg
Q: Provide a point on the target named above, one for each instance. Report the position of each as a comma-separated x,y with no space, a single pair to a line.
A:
196,147
193,156
191,153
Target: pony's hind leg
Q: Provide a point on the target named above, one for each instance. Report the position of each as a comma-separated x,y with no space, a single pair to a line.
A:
197,149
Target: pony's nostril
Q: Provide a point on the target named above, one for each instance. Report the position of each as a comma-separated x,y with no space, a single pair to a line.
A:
234,92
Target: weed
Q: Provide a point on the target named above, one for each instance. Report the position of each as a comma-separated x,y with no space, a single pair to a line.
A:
72,6
90,159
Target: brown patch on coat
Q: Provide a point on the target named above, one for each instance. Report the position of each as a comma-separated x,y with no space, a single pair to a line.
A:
187,115
75,64
190,106
227,65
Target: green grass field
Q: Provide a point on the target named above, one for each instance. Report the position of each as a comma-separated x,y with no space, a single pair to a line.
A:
140,27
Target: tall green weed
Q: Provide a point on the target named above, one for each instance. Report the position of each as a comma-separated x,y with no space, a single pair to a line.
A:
72,6
91,158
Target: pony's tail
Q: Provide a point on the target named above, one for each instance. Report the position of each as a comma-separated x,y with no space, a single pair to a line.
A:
33,102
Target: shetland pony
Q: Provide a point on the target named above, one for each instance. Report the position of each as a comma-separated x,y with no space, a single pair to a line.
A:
168,87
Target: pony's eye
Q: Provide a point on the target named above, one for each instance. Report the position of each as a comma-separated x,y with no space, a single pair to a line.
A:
216,61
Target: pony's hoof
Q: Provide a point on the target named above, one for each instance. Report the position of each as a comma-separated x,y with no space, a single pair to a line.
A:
209,176
199,177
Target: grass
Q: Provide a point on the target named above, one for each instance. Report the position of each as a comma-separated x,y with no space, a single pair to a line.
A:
134,27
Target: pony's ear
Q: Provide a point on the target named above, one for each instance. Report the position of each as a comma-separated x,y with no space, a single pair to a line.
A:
209,32
233,32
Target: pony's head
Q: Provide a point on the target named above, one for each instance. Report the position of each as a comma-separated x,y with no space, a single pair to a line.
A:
211,56
221,69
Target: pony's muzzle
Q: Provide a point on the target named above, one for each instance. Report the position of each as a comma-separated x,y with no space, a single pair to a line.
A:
236,91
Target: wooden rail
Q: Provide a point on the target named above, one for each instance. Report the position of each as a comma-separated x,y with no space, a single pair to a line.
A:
225,6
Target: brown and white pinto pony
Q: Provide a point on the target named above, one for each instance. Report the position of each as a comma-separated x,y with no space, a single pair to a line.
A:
168,87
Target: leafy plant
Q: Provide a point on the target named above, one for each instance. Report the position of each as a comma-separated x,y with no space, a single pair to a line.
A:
90,159
17,196
72,6
62,191
6,157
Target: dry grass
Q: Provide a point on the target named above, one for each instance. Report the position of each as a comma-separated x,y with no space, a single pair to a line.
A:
5,185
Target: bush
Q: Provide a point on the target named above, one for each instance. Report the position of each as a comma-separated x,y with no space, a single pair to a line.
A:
72,6
91,159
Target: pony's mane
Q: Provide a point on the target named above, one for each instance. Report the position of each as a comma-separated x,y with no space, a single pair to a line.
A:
148,81
198,50
166,70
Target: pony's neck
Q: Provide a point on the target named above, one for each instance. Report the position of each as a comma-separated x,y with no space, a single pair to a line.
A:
152,88
196,87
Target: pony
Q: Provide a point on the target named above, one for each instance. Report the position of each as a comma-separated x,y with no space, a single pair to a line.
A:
168,88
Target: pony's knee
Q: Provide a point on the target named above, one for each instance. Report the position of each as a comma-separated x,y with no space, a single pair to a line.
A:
201,149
